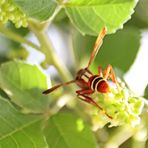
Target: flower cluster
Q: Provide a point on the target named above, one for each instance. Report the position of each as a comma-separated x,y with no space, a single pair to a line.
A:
9,11
120,104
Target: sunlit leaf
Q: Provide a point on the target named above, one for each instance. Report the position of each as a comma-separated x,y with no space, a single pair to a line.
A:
65,130
89,16
24,84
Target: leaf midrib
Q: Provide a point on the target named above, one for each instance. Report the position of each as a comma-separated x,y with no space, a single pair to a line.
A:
19,129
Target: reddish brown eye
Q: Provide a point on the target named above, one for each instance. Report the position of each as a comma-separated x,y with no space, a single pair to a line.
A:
103,87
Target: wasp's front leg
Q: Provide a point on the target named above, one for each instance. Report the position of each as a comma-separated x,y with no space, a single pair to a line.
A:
83,95
110,74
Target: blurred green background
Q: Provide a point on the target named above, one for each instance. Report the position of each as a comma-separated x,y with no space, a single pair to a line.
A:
126,50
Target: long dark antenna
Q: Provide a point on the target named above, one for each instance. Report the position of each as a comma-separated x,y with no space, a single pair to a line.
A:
57,86
97,45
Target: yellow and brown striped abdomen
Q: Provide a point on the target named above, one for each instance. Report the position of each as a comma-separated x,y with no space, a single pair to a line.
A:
98,84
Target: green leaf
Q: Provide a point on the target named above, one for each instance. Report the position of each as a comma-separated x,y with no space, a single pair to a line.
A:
40,10
19,130
140,15
119,49
146,92
89,16
65,130
24,84
82,44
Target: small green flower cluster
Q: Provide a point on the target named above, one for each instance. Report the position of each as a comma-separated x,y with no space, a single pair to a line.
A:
9,11
120,104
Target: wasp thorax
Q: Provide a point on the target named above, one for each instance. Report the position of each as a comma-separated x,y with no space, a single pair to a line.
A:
83,74
80,73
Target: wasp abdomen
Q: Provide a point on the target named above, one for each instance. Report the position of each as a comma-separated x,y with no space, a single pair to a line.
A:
97,83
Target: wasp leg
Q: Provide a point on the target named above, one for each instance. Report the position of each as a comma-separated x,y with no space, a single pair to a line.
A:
100,71
84,91
110,74
82,94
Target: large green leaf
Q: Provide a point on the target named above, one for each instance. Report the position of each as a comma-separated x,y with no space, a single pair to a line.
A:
89,16
65,130
82,44
119,49
19,130
39,9
24,84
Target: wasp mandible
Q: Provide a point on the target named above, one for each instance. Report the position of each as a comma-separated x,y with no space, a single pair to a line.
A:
88,82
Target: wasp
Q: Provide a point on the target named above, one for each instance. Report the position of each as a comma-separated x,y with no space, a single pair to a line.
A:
90,83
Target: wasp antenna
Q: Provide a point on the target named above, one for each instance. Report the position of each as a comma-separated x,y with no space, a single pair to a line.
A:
97,45
57,86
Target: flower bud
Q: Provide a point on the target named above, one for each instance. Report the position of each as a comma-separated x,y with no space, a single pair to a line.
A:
10,12
120,104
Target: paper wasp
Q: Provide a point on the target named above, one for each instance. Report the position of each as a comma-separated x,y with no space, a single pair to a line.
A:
88,82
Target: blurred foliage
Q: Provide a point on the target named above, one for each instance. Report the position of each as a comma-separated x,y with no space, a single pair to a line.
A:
21,31
146,92
59,120
139,17
10,49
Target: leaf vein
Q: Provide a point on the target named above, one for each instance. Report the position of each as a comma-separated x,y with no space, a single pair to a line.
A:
84,21
101,18
13,139
19,129
25,133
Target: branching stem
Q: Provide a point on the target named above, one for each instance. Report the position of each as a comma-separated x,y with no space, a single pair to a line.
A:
48,50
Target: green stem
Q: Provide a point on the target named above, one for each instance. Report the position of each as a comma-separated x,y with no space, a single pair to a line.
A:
46,46
50,20
47,49
15,37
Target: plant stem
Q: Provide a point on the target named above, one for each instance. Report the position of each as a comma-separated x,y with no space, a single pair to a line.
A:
50,20
15,37
47,49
